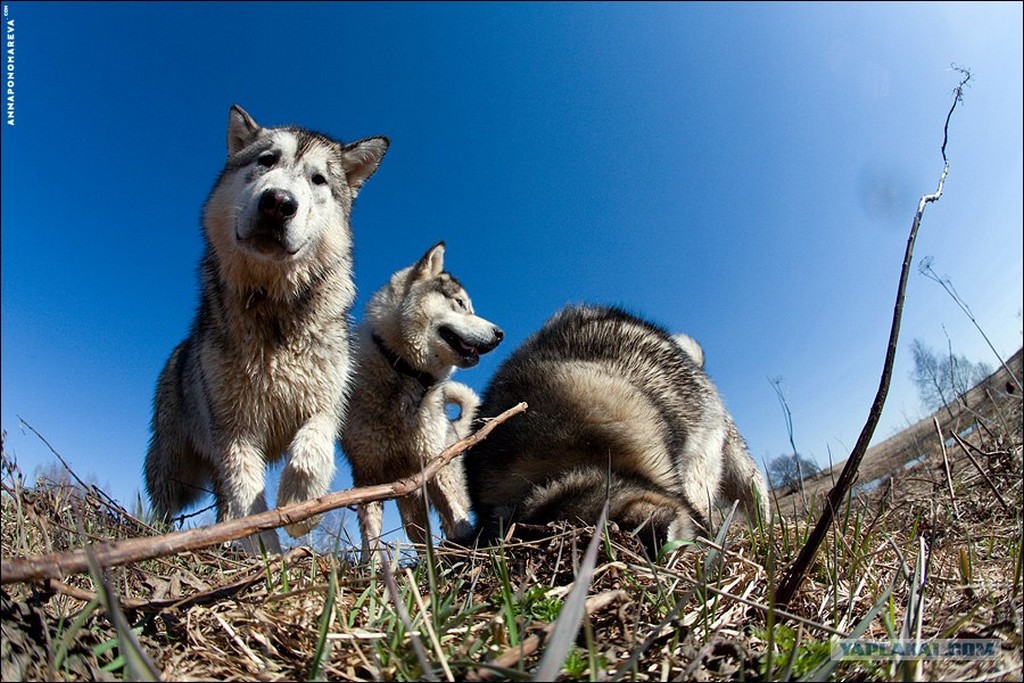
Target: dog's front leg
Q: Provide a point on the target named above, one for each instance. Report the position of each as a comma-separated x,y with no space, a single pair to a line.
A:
310,467
240,492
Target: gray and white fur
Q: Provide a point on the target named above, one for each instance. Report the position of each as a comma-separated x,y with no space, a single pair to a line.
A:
265,369
621,410
417,329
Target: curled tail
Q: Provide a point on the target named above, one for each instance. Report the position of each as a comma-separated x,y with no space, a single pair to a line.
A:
458,394
689,345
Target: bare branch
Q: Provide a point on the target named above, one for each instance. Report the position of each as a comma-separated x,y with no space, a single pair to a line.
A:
59,565
794,577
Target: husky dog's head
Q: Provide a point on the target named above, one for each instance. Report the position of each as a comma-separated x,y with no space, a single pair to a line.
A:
653,515
424,316
281,206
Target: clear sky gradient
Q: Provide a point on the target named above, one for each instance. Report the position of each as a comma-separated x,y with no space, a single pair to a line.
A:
745,173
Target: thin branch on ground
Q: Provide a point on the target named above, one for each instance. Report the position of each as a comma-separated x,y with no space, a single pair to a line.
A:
777,386
106,500
59,565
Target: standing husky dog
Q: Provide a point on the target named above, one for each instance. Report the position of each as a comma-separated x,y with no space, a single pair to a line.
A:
417,329
266,367
619,409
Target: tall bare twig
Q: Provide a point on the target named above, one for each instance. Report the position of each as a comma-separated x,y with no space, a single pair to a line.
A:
777,386
925,268
58,565
795,575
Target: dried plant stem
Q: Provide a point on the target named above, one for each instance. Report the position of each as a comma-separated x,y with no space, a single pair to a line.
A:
966,447
427,671
794,576
945,463
59,565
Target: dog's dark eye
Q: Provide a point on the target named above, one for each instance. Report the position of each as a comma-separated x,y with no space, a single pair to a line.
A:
461,303
319,179
267,159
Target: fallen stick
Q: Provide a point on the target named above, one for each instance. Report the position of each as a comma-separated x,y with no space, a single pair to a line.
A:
59,565
201,598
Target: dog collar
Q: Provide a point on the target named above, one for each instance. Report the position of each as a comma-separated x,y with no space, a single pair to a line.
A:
425,379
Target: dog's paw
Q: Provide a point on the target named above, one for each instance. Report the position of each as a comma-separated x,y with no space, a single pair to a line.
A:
304,527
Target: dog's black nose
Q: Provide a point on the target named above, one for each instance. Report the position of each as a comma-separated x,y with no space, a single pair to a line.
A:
278,204
498,334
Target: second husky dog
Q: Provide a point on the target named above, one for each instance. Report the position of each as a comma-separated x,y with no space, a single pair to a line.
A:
417,329
265,368
619,410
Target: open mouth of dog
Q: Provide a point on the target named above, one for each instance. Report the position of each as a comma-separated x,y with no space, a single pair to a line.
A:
269,239
468,352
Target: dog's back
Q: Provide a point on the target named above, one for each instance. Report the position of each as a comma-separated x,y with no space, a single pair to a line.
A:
619,409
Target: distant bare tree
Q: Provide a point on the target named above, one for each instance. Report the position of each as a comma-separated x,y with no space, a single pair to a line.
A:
940,379
787,471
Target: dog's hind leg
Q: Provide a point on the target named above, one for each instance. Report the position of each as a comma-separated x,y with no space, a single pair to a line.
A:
176,475
451,500
742,479
371,519
310,467
414,517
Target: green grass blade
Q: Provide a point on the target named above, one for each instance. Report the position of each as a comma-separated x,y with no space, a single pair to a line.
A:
138,664
823,672
569,620
69,635
322,644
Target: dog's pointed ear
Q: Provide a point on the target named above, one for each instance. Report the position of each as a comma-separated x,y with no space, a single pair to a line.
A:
242,129
432,263
360,159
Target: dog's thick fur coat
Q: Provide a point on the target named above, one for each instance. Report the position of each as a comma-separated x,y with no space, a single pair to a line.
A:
619,410
417,329
265,369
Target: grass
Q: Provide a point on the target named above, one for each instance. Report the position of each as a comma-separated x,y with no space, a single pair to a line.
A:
923,556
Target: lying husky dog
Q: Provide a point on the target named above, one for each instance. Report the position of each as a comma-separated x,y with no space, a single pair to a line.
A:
619,410
265,368
418,328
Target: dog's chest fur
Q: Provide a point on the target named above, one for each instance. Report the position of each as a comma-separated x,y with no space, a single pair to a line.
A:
396,429
275,373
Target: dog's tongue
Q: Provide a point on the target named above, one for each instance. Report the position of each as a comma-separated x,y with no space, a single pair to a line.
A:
469,351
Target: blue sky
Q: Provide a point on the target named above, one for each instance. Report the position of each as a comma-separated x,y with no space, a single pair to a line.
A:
746,173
